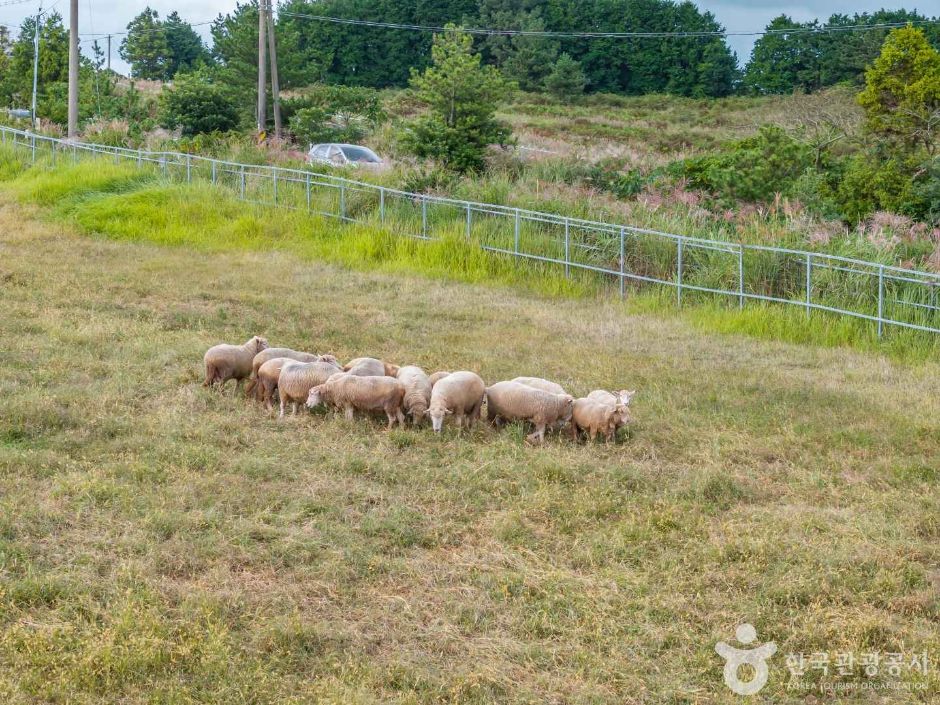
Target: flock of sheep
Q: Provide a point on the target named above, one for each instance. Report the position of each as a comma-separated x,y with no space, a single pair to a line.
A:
370,385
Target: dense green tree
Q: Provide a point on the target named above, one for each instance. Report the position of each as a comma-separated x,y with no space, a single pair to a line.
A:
196,105
462,96
901,98
16,83
566,79
186,50
525,60
145,47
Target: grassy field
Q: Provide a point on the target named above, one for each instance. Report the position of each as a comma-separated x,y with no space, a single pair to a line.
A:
163,544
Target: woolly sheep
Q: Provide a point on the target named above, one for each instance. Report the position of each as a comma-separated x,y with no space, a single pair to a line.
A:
623,397
267,377
539,383
460,394
370,367
595,417
437,377
269,354
417,392
518,402
225,362
298,378
366,393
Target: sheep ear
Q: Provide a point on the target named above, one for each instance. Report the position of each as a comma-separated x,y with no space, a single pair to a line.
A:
627,397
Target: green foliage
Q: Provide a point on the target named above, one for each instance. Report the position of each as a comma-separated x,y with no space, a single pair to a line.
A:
334,113
462,96
881,180
524,59
754,169
809,60
566,79
16,82
197,105
158,50
901,98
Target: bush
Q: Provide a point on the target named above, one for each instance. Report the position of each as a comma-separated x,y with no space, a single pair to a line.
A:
566,80
334,114
875,182
755,169
196,106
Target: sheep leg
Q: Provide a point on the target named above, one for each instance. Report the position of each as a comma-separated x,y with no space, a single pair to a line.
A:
474,413
592,433
400,416
252,386
350,415
538,435
281,415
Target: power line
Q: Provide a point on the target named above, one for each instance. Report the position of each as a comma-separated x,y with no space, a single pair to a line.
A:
604,35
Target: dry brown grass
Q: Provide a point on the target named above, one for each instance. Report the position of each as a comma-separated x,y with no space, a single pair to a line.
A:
162,544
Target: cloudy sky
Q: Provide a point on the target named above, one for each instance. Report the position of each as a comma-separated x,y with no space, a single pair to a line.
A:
103,16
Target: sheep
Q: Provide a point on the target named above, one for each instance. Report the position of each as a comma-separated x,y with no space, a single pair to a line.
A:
269,354
367,393
518,402
596,417
460,394
225,362
298,378
539,383
417,392
267,377
370,367
621,398
437,377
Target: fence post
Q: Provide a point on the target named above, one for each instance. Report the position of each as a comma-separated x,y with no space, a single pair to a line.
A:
214,176
516,237
567,247
381,204
189,169
342,200
274,180
622,258
242,175
809,282
881,298
140,158
34,148
469,221
53,152
424,217
740,276
679,273
307,183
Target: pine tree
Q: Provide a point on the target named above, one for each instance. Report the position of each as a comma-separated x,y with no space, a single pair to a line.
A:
145,47
566,79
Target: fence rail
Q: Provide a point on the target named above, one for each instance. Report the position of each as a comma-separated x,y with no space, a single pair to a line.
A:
884,294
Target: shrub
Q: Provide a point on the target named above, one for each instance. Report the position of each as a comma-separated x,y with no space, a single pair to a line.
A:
196,105
334,113
567,79
871,181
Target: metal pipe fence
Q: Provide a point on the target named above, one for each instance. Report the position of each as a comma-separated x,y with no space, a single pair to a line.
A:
884,294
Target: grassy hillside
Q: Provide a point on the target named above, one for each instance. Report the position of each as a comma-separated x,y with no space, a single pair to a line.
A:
163,544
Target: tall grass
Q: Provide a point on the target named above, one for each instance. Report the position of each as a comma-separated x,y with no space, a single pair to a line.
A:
123,202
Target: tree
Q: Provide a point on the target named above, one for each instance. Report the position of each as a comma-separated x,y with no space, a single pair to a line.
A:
901,98
196,105
145,47
462,96
523,59
566,79
16,83
185,48
334,113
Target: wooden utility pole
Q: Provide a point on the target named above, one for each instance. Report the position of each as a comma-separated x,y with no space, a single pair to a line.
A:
275,79
262,79
73,69
109,52
36,68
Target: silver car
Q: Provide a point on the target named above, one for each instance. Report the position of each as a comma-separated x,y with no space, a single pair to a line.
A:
343,155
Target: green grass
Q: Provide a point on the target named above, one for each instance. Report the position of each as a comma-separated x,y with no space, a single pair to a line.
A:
122,203
163,544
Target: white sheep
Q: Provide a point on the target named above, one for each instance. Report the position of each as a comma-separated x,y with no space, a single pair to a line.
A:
269,354
595,417
417,392
539,383
225,362
437,377
518,402
370,367
298,378
267,378
460,394
366,393
621,398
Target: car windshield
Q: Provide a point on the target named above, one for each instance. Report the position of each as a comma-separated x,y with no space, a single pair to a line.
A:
360,154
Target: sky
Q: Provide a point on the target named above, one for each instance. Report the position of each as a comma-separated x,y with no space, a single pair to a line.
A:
103,16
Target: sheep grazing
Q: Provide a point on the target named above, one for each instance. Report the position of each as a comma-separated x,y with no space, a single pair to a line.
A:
269,354
372,393
460,394
225,362
370,367
298,378
595,417
619,399
417,392
539,383
267,377
437,377
513,401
